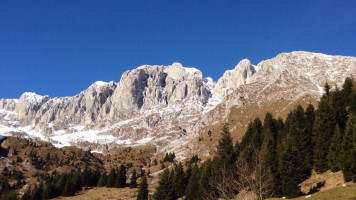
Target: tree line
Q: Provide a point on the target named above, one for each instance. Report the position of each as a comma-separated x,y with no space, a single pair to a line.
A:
274,156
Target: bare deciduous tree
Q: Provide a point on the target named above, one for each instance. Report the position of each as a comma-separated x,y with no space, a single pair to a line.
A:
251,182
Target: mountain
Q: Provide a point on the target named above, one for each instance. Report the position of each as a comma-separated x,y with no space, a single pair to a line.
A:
174,107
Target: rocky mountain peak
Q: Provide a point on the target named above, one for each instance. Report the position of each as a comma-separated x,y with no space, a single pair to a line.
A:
8,104
29,103
232,79
171,106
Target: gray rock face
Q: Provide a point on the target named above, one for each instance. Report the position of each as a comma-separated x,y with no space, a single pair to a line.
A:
90,105
28,105
170,106
8,104
232,79
157,86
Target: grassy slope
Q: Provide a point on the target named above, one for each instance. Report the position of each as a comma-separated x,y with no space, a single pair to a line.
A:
338,193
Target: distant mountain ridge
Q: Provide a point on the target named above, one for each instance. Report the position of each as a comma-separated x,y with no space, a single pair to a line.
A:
173,106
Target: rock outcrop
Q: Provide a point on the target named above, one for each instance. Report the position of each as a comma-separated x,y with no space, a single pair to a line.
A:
173,106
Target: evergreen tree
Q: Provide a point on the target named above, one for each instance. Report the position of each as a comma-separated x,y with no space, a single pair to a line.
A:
339,109
269,146
302,140
348,152
36,193
225,149
334,150
68,189
60,184
327,89
353,102
188,173
287,164
111,179
246,147
143,191
133,182
102,180
237,149
310,117
178,181
26,195
206,188
252,141
346,91
121,177
77,180
192,191
164,187
323,130
4,185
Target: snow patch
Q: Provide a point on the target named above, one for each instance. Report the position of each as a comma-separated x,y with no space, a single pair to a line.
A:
100,83
33,97
320,89
191,70
145,140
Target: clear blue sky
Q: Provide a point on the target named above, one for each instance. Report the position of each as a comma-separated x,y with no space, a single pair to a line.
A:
59,48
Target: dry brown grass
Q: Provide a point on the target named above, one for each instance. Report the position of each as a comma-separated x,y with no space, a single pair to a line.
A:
104,193
347,192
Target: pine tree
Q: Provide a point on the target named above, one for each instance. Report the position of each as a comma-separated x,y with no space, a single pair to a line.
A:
36,193
327,89
192,191
111,179
287,169
120,181
26,195
133,182
60,184
68,189
348,152
334,150
310,117
77,180
353,102
303,140
164,187
323,130
225,149
143,191
346,91
178,181
339,108
207,190
188,173
269,146
102,180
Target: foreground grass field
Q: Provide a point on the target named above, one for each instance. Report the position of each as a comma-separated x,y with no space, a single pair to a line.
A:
104,193
339,193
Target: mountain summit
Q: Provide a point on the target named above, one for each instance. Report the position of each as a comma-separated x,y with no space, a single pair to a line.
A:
173,107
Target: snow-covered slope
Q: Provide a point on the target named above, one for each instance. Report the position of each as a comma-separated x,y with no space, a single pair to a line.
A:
172,106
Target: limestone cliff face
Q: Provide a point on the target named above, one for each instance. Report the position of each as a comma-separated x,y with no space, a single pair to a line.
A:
28,105
157,86
172,106
8,104
85,108
232,79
